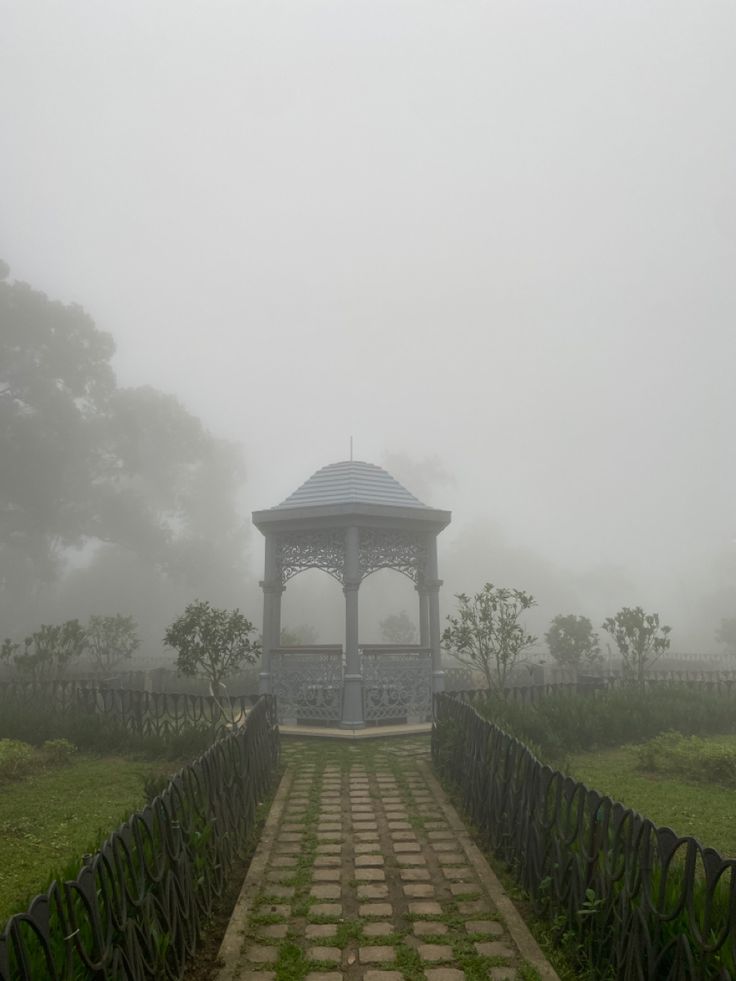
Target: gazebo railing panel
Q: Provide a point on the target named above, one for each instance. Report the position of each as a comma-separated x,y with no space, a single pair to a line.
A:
307,683
397,685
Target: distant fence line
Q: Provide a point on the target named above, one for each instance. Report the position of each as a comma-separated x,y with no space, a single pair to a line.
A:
643,903
136,908
143,713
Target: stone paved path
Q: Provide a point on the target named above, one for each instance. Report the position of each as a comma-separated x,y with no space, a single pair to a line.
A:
365,874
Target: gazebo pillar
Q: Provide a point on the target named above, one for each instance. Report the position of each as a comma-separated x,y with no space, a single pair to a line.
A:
272,590
352,701
432,585
423,615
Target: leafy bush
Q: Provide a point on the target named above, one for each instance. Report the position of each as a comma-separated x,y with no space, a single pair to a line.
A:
16,759
58,751
690,758
562,724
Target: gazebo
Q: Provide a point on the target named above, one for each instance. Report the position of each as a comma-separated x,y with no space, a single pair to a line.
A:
349,520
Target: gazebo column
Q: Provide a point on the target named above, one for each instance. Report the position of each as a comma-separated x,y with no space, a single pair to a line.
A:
352,700
432,585
423,615
272,590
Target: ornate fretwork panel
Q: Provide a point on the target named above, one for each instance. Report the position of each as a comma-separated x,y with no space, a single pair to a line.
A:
308,687
302,550
397,687
398,550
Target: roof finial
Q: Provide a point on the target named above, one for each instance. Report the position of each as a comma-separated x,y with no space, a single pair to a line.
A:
351,449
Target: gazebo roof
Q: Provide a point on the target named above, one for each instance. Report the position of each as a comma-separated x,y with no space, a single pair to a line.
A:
341,492
351,482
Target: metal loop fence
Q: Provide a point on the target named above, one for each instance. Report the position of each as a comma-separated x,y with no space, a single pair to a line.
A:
142,713
137,906
642,903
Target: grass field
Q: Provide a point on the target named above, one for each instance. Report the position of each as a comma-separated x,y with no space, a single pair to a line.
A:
704,811
52,818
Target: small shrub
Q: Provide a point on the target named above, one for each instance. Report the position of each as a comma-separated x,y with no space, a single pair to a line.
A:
690,758
58,751
16,759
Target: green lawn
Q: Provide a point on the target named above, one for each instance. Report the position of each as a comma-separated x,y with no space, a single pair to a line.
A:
703,810
53,817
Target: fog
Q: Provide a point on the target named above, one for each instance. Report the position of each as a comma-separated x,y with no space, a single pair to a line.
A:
492,242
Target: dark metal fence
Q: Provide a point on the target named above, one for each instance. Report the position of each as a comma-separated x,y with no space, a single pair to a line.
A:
641,902
136,908
143,713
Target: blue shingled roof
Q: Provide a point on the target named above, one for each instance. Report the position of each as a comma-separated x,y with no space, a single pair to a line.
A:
351,482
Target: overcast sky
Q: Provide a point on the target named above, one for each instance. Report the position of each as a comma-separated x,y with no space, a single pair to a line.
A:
499,233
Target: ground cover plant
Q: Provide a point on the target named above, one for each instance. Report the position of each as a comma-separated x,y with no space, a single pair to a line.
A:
53,816
666,779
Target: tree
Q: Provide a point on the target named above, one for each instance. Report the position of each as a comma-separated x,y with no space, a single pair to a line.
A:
398,628
726,634
639,638
110,640
88,464
572,642
47,653
487,634
211,643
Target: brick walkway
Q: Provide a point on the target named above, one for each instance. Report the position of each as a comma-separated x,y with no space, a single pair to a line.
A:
366,873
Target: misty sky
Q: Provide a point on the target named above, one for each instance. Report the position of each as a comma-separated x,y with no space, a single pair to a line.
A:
502,234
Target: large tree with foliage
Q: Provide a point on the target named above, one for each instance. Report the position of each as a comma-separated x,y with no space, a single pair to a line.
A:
211,643
572,641
640,639
48,652
111,640
398,628
86,463
487,634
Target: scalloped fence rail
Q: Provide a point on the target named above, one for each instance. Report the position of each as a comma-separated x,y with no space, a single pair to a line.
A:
137,906
142,713
640,902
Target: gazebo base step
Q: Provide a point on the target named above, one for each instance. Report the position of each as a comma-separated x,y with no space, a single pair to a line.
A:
369,732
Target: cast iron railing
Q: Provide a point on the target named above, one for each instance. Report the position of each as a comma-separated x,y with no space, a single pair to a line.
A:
642,902
143,713
137,907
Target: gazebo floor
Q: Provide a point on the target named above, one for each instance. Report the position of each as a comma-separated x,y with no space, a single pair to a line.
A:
367,732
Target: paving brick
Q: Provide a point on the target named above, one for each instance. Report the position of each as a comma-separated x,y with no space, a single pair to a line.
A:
378,929
399,826
364,837
448,845
329,890
326,875
403,836
494,948
275,909
368,847
451,858
289,836
429,928
414,875
440,835
436,826
290,848
280,892
258,954
444,974
333,954
405,847
365,826
283,861
375,909
319,931
370,875
457,873
434,952
419,890
473,908
373,890
329,848
426,908
327,827
492,927
411,859
326,909
363,861
375,955
324,976
375,975
471,890
327,861
502,973
257,975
